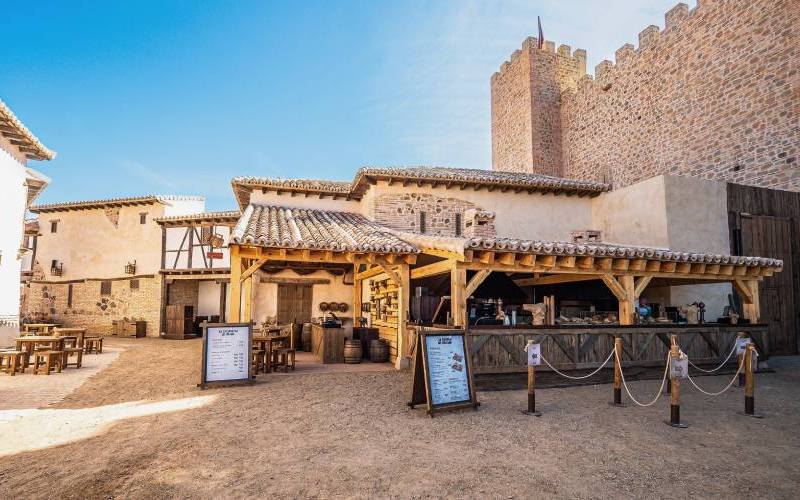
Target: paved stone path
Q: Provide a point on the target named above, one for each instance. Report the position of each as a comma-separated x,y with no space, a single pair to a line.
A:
37,391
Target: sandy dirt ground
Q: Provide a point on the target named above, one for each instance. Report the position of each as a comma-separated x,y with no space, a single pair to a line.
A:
351,435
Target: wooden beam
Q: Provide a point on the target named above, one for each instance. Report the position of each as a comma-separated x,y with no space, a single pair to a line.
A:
446,254
620,264
528,259
616,288
294,281
566,261
435,269
247,293
393,275
641,284
555,279
698,268
253,268
358,290
369,273
748,289
712,268
485,257
475,282
668,267
638,265
584,262
653,266
604,263
546,260
683,268
506,259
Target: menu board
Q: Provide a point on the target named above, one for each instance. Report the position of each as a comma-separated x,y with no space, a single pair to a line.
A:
226,353
447,371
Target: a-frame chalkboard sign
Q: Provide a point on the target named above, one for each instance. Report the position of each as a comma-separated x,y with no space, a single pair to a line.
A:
442,377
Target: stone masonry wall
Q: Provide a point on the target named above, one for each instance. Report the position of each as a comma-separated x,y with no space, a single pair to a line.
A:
401,211
184,292
714,94
48,301
526,122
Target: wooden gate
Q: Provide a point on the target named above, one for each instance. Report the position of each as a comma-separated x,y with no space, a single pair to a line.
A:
769,236
294,304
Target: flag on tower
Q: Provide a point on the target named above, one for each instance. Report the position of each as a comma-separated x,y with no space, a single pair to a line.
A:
541,34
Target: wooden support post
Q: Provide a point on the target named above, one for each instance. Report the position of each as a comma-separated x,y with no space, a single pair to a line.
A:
532,393
748,290
626,306
403,360
247,293
749,382
618,371
458,299
358,286
234,307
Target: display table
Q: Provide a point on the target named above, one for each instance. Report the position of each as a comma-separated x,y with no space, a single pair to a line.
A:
327,344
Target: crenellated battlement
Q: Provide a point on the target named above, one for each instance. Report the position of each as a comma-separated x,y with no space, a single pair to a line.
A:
530,48
710,92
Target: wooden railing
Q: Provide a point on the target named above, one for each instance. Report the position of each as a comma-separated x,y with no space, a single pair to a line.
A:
501,350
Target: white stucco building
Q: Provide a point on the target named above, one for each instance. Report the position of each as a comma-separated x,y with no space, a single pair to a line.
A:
19,186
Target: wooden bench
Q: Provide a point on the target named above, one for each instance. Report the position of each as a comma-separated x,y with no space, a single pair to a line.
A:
259,361
93,344
12,361
284,357
78,352
47,361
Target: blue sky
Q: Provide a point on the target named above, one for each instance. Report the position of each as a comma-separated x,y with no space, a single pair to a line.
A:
173,97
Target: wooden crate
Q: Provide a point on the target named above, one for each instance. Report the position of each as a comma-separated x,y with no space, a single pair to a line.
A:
121,328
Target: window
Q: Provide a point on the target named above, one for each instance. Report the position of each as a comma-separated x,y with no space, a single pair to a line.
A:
134,284
53,226
458,224
423,226
105,288
143,218
69,295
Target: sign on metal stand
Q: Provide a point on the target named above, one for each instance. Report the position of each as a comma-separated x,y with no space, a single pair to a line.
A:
226,354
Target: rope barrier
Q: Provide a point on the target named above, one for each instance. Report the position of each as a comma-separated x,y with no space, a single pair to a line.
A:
582,376
720,366
660,389
735,376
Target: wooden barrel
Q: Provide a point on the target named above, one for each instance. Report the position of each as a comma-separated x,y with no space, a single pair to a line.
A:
306,337
352,351
379,351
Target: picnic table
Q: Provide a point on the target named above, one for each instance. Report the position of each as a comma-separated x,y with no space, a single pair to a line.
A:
268,344
39,327
79,333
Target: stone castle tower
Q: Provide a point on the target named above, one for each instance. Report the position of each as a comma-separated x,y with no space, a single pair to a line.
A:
715,94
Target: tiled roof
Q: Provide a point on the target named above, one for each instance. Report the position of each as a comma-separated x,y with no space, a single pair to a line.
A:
232,215
480,177
476,178
19,135
282,227
31,226
132,200
604,250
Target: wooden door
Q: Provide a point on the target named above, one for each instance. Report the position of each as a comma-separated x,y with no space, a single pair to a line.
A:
294,304
767,236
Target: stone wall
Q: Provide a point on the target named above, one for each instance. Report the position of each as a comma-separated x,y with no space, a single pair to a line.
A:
47,301
526,122
714,95
184,292
401,211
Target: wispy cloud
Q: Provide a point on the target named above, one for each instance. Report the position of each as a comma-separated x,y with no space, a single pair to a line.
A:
148,174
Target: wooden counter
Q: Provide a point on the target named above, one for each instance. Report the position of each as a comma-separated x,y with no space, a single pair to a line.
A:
327,344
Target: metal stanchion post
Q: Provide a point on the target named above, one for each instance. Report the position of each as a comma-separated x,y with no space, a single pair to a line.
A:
675,390
749,382
617,372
